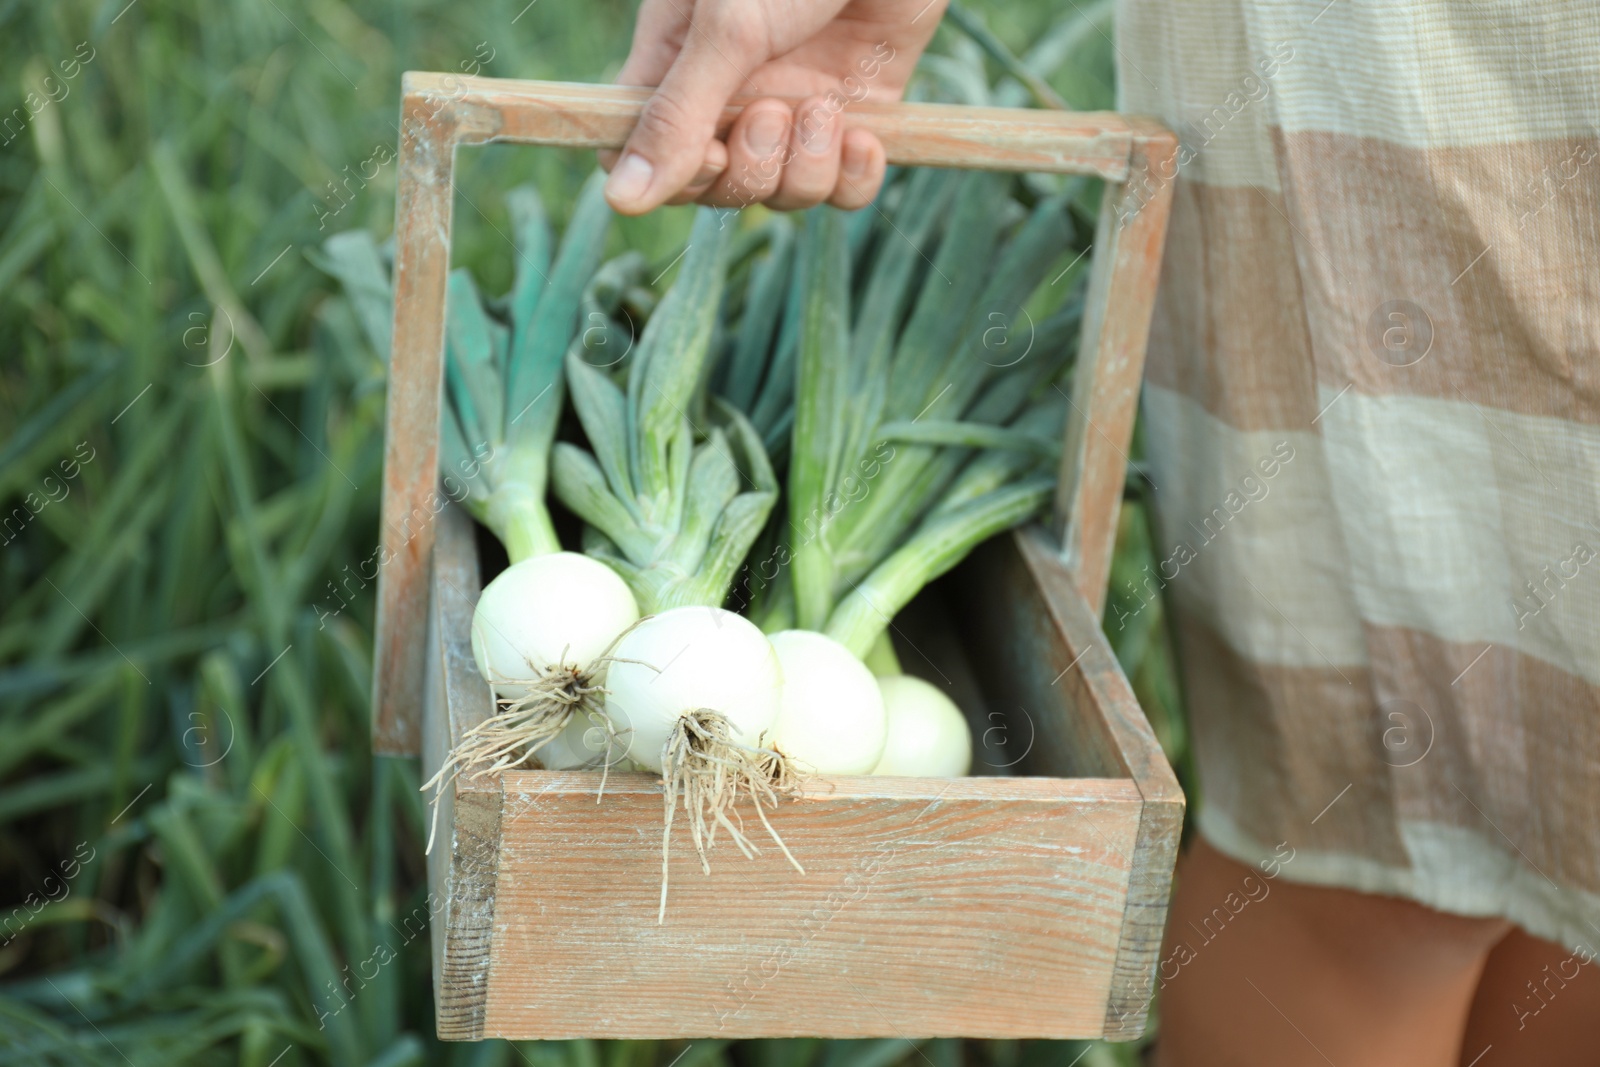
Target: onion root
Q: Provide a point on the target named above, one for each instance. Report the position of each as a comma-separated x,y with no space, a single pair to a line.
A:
702,762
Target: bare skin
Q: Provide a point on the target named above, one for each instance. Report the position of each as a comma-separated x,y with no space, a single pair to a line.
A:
1289,975
1536,1003
802,61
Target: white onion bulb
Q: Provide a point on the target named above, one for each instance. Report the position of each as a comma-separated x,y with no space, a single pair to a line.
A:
832,719
561,608
928,735
686,660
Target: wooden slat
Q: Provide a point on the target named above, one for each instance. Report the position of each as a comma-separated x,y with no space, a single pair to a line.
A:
411,498
1129,237
961,907
1053,673
575,115
1055,718
463,868
1104,697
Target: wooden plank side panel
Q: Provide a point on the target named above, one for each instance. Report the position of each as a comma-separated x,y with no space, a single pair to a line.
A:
1031,669
457,586
1144,920
463,868
1129,238
411,501
435,743
576,115
1103,694
464,971
1100,692
1052,670
961,907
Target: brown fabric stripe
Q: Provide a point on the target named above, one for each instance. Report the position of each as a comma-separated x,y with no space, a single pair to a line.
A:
1502,268
1433,733
1276,745
1364,223
1229,250
1516,749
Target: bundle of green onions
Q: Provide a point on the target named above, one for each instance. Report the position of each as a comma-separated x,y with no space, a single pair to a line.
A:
890,358
919,431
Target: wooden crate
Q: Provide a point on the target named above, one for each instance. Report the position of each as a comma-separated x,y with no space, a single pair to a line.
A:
998,906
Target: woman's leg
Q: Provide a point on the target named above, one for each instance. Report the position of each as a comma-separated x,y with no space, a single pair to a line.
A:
1259,971
1536,1003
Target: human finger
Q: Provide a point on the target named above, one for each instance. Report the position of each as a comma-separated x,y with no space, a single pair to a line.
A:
861,169
758,146
811,169
668,146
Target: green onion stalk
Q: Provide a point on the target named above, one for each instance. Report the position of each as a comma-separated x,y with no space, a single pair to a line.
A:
505,385
504,380
504,390
675,485
926,418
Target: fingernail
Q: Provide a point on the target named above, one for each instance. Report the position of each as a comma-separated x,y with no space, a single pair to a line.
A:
630,178
816,131
766,133
855,160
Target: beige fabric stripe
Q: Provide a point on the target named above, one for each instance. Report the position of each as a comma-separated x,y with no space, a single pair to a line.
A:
1227,250
1197,69
1472,525
1449,512
1420,73
1249,540
1277,773
1428,74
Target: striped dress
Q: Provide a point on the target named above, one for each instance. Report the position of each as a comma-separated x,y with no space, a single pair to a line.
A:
1372,415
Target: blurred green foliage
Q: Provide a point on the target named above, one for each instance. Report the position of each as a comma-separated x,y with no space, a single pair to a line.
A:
198,853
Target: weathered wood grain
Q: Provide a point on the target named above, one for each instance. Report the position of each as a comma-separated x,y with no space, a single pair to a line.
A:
458,583
576,115
1053,674
411,498
1129,237
463,868
994,907
1055,717
1102,690
972,907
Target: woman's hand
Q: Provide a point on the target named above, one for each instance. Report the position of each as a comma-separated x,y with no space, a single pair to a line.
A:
826,53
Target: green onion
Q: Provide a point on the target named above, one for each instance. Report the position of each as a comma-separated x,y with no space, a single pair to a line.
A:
676,502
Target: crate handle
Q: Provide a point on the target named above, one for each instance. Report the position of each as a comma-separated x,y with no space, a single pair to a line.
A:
438,112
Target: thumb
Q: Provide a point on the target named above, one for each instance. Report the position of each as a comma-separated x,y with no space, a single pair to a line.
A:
665,150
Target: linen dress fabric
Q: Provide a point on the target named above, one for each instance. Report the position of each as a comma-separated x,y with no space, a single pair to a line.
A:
1372,420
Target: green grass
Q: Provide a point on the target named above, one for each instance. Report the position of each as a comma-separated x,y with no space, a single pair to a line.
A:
207,860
